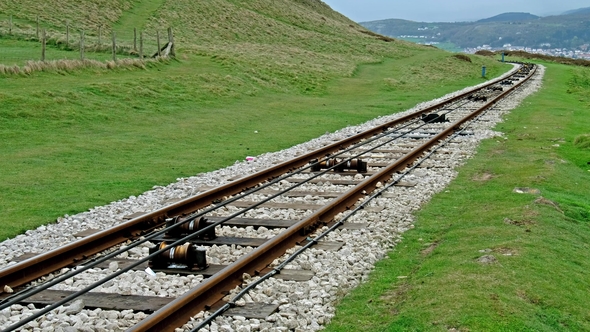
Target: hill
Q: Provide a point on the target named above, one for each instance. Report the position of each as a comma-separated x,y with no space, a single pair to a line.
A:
510,17
578,11
78,138
246,33
561,31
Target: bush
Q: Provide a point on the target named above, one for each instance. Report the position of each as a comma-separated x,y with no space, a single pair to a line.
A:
582,141
485,53
462,57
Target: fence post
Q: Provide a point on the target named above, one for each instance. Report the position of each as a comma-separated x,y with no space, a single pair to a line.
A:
37,27
158,38
99,34
141,44
135,40
43,42
10,26
114,47
171,40
82,45
67,35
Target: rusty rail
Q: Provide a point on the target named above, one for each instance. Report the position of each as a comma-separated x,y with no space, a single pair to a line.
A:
70,254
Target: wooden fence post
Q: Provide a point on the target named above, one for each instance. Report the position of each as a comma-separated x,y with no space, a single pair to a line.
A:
114,47
171,40
37,27
158,38
10,26
67,35
99,34
135,40
82,45
43,42
141,44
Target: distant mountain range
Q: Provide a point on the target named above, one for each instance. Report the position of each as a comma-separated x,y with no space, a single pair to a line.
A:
510,17
578,11
569,30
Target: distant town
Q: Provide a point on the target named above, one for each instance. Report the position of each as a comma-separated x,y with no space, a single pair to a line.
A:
582,52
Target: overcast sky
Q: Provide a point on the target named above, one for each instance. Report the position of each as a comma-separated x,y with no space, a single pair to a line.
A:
447,10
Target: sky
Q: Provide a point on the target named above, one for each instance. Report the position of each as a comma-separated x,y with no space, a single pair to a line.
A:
447,10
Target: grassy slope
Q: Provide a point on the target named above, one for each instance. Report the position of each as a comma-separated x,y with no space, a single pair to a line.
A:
18,52
121,16
85,14
541,281
138,16
84,138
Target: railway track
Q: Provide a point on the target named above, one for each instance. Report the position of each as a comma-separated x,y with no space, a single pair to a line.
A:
290,202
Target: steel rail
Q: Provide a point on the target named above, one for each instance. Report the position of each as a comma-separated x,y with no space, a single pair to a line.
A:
202,297
311,242
33,268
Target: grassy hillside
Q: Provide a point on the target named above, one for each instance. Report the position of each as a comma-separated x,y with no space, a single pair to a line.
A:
280,45
84,14
510,17
540,280
291,70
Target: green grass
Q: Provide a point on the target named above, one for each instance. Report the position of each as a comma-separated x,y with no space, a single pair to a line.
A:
542,285
451,47
79,138
138,15
86,138
443,46
18,52
87,15
121,16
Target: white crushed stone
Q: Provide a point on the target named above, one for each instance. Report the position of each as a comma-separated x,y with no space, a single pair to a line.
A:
304,306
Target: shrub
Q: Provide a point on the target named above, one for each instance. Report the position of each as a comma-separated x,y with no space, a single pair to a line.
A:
462,57
485,53
582,141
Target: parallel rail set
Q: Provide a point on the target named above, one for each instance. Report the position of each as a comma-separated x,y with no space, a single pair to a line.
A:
356,167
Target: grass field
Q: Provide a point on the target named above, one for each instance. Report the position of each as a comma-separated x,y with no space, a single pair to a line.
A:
105,135
541,280
443,46
77,138
18,52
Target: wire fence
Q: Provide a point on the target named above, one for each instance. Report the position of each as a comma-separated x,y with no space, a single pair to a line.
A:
24,41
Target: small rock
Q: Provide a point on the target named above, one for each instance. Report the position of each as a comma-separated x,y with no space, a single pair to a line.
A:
226,328
532,191
487,259
114,266
75,308
244,328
